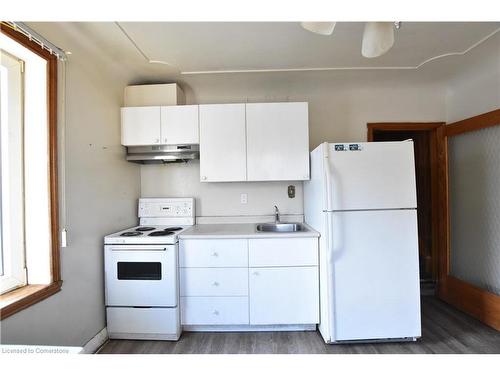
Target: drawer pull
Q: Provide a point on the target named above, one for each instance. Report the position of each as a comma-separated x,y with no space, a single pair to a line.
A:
215,254
215,283
216,312
256,273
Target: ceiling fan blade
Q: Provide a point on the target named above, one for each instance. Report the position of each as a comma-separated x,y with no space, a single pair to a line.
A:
323,28
378,38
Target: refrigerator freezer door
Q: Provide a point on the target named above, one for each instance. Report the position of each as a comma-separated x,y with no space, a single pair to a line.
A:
375,275
381,175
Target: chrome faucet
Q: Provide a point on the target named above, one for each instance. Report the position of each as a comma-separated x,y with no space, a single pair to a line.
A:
276,214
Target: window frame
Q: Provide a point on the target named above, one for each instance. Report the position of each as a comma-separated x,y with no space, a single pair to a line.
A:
14,257
19,299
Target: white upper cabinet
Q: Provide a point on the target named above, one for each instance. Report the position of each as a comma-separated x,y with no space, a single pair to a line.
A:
277,141
170,125
179,125
140,126
222,142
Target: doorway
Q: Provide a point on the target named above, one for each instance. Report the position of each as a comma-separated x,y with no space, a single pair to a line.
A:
424,136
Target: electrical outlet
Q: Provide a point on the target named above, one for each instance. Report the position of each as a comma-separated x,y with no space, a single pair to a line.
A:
244,198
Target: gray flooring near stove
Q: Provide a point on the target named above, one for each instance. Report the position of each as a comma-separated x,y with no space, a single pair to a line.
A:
444,330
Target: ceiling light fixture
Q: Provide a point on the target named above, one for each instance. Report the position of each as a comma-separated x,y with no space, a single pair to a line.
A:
378,38
322,28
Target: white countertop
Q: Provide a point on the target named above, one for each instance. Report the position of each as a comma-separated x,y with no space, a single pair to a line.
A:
200,231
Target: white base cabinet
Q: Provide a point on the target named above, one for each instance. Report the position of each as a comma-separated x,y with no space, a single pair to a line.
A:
249,283
284,295
214,310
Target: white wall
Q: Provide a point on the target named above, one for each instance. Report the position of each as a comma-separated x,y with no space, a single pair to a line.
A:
339,109
474,86
101,194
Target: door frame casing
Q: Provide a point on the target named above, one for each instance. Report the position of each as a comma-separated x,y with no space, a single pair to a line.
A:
435,146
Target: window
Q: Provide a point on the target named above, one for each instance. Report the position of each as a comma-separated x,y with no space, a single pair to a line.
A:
29,245
12,251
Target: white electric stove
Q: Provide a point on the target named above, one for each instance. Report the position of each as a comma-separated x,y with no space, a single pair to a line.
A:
141,271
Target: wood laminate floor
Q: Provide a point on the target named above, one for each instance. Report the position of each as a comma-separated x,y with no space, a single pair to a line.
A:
444,330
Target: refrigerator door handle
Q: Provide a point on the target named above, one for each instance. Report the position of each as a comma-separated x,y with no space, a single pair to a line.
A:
330,271
328,178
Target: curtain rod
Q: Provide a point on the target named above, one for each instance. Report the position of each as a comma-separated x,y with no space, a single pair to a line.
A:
37,38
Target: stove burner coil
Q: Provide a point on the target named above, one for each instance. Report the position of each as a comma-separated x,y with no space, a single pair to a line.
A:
131,234
144,229
160,233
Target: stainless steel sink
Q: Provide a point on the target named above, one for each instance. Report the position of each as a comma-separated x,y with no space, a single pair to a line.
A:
280,227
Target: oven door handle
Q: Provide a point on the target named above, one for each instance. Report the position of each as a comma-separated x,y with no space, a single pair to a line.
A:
137,248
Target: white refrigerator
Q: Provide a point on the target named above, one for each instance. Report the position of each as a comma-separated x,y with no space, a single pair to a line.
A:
362,199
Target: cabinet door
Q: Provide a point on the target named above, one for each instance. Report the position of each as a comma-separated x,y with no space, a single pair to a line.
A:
222,142
277,141
179,125
140,126
284,295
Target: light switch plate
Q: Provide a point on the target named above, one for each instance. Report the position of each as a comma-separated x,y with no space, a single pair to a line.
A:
244,198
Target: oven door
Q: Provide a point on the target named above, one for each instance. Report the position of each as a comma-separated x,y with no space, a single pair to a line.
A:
141,275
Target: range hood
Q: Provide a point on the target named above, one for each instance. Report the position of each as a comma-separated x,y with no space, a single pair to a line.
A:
162,154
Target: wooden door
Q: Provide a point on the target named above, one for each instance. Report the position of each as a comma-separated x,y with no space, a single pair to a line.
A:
426,180
469,252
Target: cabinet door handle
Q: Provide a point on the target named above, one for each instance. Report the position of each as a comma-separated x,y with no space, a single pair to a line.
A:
215,283
256,273
165,140
216,312
215,254
157,140
203,177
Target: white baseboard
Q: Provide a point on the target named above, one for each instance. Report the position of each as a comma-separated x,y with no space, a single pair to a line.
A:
146,336
95,343
249,328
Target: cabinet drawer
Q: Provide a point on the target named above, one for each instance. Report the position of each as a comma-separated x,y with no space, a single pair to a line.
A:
214,310
214,282
271,252
214,253
142,320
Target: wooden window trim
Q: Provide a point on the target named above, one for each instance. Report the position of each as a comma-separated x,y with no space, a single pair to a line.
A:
21,298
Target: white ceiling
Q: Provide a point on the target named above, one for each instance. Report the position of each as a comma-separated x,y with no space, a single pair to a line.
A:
237,46
217,47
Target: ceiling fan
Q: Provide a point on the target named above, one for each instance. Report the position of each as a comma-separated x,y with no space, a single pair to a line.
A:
378,37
